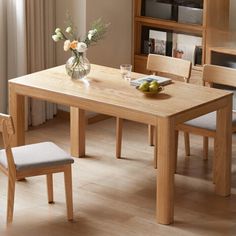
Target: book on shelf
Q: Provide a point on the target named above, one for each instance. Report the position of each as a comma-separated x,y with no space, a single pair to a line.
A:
159,39
149,78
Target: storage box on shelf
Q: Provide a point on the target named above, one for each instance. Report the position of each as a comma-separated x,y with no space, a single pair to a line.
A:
175,28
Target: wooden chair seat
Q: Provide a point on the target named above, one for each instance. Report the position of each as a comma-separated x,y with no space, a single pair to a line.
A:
44,155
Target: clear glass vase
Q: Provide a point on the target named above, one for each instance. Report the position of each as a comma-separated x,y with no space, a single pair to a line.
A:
78,66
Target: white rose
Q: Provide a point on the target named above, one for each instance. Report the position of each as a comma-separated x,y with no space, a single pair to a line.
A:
94,31
82,47
66,45
90,36
91,33
60,35
68,30
56,38
57,30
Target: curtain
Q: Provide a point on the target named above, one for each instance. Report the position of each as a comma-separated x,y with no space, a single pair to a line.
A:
12,45
3,57
26,27
40,18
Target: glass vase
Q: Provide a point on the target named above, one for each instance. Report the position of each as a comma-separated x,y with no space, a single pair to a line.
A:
78,66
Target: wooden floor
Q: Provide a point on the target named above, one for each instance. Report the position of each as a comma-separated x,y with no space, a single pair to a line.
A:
117,197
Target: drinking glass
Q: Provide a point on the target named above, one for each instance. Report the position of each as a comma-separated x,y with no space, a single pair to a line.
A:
126,71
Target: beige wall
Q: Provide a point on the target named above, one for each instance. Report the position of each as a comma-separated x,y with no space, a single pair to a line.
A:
115,49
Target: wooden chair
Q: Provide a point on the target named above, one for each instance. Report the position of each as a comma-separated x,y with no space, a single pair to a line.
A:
158,65
206,125
31,160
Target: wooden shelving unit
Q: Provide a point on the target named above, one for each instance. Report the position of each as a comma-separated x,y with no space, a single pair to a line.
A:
215,16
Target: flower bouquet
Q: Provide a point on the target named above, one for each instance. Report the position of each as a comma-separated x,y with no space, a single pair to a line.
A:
78,66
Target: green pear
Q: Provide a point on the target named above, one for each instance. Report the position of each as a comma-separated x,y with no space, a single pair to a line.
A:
144,86
153,87
154,82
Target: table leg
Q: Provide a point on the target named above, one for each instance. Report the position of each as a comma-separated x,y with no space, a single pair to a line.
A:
151,135
165,173
77,131
223,150
17,111
119,129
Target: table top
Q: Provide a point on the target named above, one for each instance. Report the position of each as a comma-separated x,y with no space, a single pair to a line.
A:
105,86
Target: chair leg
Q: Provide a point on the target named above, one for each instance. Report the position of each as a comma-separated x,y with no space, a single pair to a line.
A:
10,198
50,188
205,148
151,135
68,192
119,127
187,144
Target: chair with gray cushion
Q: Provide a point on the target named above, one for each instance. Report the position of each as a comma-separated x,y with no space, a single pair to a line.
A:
44,158
206,125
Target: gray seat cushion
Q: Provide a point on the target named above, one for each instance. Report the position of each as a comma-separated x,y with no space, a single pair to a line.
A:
207,121
37,155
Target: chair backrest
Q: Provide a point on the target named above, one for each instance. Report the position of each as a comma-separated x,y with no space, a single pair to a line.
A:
7,130
219,75
169,65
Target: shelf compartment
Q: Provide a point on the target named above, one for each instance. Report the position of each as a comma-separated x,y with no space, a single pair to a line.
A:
223,59
171,43
171,25
185,11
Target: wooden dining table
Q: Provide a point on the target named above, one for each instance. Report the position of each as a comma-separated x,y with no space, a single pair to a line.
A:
104,91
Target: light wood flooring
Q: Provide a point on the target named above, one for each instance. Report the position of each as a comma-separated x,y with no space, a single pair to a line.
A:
117,197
